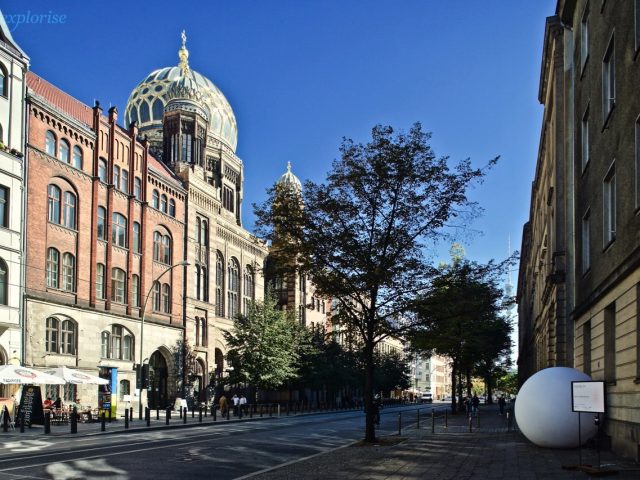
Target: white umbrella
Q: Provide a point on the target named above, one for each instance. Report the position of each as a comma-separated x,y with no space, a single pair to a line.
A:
15,374
69,375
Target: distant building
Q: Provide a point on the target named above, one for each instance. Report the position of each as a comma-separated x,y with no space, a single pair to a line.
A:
14,64
579,284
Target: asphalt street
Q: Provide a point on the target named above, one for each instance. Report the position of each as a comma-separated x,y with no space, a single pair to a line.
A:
211,450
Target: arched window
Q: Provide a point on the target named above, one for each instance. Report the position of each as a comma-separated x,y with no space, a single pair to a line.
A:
124,181
53,266
166,250
144,112
205,233
100,281
172,207
233,287
157,109
166,298
118,285
204,283
137,245
104,344
196,282
204,340
137,188
163,203
248,292
156,296
69,272
64,151
135,290
119,229
102,170
54,204
4,88
50,143
116,176
4,283
198,231
117,343
157,246
77,157
52,339
68,338
155,199
69,213
101,223
219,285
196,324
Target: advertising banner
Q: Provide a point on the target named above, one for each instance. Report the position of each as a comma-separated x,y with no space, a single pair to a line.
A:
108,394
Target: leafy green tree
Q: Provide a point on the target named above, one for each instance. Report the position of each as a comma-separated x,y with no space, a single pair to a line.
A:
459,318
392,372
264,346
508,383
362,235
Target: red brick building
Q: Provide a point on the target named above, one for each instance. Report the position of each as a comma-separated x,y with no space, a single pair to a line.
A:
105,222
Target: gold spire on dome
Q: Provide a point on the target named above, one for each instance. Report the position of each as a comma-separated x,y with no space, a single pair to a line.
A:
184,55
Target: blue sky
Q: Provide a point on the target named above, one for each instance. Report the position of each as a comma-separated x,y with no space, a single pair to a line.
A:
301,74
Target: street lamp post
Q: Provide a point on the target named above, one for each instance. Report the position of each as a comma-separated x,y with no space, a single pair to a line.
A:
183,263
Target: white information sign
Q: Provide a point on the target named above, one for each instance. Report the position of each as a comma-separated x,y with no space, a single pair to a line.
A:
587,397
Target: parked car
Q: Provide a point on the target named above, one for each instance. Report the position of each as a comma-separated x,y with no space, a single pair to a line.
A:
426,397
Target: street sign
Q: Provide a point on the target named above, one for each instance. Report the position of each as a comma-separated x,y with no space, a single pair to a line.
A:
587,396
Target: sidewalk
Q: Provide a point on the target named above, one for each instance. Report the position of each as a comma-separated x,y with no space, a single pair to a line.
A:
489,452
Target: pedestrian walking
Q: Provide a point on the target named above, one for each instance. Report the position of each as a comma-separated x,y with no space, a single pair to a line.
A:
223,405
475,403
467,404
243,404
501,404
236,402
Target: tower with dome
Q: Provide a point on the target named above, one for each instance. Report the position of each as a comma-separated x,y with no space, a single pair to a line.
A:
191,127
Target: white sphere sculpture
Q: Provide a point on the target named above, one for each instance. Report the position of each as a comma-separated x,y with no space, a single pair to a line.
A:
543,409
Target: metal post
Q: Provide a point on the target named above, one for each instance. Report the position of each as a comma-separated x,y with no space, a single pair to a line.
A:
509,422
47,422
110,413
399,423
433,420
205,410
184,417
470,424
147,415
200,414
131,414
103,426
239,411
180,409
167,416
126,420
261,410
157,413
214,413
193,413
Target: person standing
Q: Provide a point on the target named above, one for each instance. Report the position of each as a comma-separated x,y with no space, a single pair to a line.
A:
501,404
243,402
236,402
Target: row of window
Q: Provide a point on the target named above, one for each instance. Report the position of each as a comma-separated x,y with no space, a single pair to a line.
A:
231,283
61,338
63,150
200,333
4,206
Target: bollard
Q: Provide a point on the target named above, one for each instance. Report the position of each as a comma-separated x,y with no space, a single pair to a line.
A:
508,421
433,420
47,422
147,415
446,419
157,413
240,411
5,419
167,416
126,420
261,410
109,415
470,424
399,423
180,408
205,410
103,425
73,420
200,414
193,413
184,417
131,414
214,413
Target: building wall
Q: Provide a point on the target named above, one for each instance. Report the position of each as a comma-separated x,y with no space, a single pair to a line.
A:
91,313
13,65
601,142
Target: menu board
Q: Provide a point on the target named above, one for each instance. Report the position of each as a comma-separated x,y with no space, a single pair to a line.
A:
31,406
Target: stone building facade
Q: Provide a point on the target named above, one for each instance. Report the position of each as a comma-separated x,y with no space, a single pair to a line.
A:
105,223
600,142
14,64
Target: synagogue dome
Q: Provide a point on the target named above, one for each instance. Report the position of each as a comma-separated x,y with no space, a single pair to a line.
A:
148,100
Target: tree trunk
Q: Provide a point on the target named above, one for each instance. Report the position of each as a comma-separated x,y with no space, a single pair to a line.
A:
468,378
490,389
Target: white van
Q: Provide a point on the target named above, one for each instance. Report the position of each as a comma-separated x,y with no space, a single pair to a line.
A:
426,397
